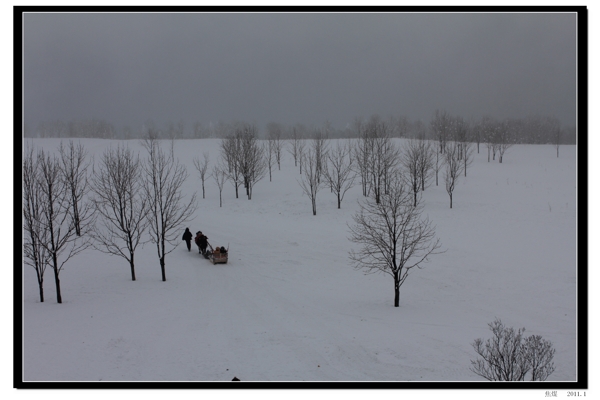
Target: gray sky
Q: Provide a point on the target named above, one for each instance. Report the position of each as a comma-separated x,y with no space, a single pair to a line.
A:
296,68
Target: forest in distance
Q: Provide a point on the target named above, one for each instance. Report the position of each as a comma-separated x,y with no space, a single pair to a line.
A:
533,129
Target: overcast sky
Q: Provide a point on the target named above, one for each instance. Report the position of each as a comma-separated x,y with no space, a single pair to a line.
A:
297,68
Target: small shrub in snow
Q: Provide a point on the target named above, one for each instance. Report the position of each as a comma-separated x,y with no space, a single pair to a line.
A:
508,356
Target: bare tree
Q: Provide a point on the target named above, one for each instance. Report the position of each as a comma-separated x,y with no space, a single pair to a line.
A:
467,156
453,168
319,146
412,155
441,125
120,202
504,138
362,154
384,157
35,254
269,150
463,136
340,174
476,130
296,137
553,125
168,209
508,356
231,148
310,181
202,167
425,163
301,152
57,233
251,159
74,171
393,235
219,174
274,135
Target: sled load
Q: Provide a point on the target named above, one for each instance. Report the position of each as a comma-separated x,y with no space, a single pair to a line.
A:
217,255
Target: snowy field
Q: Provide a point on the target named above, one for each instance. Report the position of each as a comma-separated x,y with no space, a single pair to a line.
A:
289,306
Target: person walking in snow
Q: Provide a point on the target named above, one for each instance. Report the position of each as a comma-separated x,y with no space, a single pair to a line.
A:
203,243
197,240
187,236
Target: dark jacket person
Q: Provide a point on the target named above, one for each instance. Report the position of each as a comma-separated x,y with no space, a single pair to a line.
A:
187,236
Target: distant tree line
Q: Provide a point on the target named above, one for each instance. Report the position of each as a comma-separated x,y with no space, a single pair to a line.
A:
534,129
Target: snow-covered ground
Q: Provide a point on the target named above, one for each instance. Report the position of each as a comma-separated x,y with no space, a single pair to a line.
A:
289,306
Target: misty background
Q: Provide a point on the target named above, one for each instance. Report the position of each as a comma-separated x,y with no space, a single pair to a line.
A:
296,68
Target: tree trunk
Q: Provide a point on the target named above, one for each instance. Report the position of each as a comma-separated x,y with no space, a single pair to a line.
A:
40,279
203,188
131,264
162,268
396,292
57,281
450,200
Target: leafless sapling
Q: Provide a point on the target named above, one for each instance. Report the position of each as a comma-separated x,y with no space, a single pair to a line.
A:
310,181
453,168
219,174
275,136
504,139
441,125
35,255
269,151
425,164
120,202
411,160
319,146
230,150
339,173
202,167
384,157
393,236
57,233
294,140
74,166
251,158
362,154
168,209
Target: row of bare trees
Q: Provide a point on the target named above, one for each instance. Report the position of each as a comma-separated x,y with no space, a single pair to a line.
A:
124,202
375,160
56,216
